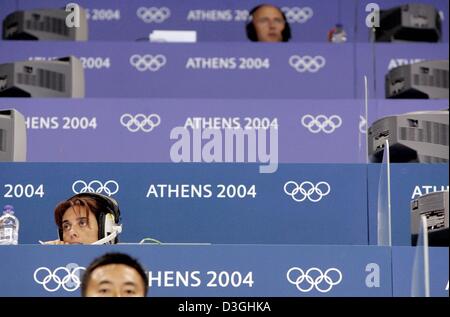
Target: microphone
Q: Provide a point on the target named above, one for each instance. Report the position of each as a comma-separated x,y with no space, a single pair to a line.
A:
110,237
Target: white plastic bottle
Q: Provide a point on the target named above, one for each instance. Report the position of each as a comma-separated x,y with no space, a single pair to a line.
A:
9,227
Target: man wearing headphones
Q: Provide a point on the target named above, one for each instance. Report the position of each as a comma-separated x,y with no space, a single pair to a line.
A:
87,218
268,24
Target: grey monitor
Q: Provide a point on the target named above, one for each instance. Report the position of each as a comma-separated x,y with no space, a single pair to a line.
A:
13,136
63,77
424,80
434,206
410,22
44,24
413,137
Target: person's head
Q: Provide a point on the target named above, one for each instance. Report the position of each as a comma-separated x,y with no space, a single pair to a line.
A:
114,275
86,218
268,24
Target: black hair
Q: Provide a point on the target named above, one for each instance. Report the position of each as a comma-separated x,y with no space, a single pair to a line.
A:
251,31
113,258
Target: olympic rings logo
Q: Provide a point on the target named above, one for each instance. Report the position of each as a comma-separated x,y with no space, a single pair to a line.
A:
321,123
153,14
109,188
307,63
67,277
314,278
148,62
307,190
140,122
297,15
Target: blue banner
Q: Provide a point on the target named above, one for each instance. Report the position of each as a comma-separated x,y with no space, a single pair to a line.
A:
305,71
101,126
203,70
213,271
58,128
218,203
209,271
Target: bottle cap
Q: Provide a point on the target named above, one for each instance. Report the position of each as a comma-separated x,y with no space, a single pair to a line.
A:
8,208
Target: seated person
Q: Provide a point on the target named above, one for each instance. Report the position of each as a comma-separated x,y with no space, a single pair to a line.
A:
114,275
268,24
87,218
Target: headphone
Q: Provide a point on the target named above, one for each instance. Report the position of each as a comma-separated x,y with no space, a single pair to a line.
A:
108,218
251,31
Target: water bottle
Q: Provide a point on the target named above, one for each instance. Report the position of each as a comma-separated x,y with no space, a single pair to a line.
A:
9,226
